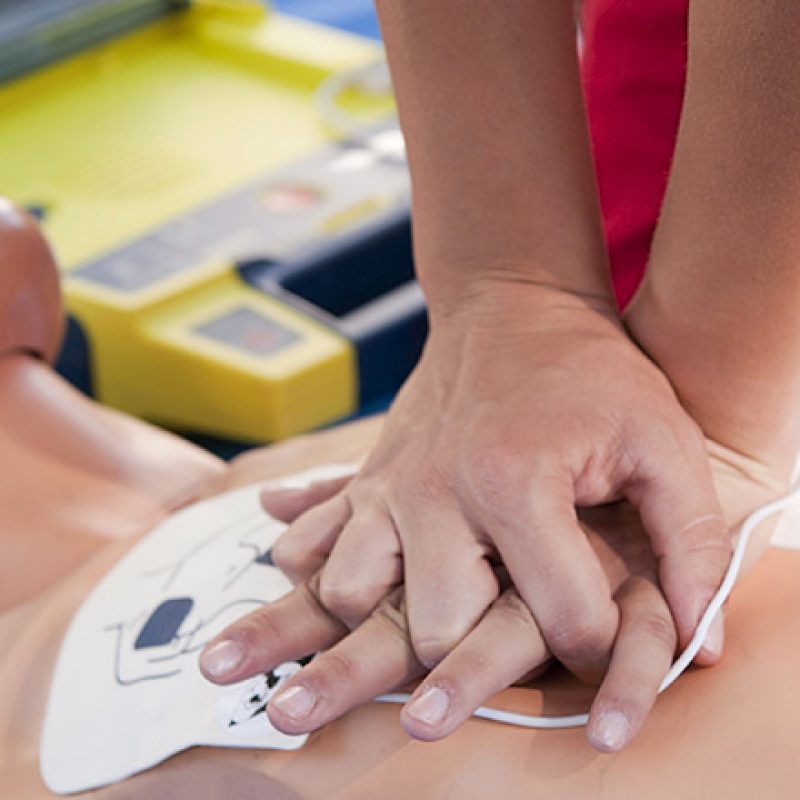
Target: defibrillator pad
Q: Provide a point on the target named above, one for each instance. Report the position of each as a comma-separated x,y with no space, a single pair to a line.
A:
127,692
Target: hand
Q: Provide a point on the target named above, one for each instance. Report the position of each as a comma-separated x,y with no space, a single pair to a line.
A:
527,403
357,526
505,646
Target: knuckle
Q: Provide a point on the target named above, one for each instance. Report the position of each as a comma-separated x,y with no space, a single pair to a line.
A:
708,532
497,475
255,631
390,616
337,668
431,647
708,540
658,628
717,547
585,640
289,557
513,608
348,601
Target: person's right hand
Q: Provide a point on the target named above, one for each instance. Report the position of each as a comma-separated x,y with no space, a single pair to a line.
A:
505,645
528,402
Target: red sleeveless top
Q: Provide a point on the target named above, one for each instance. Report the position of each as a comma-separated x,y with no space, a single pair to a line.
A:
633,70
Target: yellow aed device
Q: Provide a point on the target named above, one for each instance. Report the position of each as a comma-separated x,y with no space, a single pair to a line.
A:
232,262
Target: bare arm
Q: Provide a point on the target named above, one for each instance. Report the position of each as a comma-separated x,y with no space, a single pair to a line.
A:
490,103
529,400
720,308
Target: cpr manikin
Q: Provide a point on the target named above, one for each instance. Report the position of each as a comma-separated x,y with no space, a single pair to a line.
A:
82,483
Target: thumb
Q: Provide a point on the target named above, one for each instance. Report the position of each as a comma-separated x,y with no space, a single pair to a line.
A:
691,541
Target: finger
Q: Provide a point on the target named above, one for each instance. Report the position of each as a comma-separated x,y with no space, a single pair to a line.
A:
642,655
302,549
560,577
363,566
449,583
375,658
505,645
711,651
292,627
682,516
287,503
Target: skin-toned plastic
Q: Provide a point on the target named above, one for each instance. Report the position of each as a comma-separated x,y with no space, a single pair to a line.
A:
31,319
81,484
731,730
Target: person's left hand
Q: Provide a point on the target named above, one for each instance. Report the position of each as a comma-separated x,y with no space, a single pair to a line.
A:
505,647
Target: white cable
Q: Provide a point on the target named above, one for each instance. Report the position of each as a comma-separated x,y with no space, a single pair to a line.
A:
508,717
372,79
685,658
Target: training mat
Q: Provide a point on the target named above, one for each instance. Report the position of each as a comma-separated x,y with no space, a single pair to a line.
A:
127,692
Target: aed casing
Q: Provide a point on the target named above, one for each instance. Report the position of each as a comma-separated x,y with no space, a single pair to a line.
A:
255,277
237,321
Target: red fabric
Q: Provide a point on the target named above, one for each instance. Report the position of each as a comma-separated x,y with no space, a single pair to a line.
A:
634,71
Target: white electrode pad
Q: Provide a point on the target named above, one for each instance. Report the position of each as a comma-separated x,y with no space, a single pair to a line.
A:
127,692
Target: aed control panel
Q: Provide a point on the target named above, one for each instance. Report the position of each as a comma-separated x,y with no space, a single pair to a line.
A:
274,309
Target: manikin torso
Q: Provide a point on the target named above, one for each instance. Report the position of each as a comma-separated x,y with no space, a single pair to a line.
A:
74,504
80,484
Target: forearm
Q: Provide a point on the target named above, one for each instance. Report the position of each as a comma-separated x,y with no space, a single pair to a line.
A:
719,310
490,103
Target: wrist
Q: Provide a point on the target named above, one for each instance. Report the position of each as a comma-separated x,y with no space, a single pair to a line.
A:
749,412
512,295
512,322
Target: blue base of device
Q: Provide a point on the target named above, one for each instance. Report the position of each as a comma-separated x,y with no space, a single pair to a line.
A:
74,359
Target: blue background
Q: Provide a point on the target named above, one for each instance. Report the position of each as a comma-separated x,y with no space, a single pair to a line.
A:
357,16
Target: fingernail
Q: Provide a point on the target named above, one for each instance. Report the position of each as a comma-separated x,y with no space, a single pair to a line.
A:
611,731
715,640
220,660
430,707
296,702
286,490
